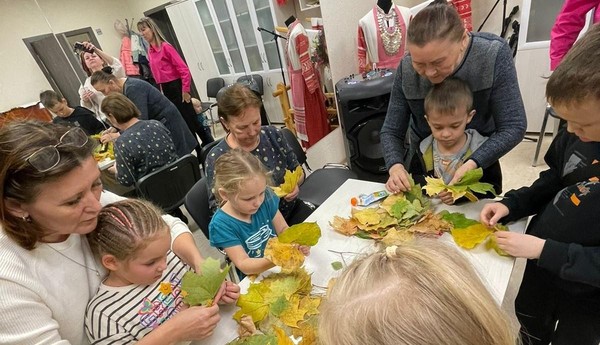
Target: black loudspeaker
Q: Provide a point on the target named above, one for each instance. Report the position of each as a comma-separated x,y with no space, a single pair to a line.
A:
362,104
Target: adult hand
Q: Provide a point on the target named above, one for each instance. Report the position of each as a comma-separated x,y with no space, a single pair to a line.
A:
187,98
195,323
231,293
87,95
399,180
520,245
446,197
112,169
106,137
491,213
460,172
89,47
293,194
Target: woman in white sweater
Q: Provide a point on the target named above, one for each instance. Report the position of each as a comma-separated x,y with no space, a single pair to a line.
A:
93,59
50,198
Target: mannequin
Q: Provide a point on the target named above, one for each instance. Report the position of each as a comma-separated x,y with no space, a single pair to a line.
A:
308,102
382,36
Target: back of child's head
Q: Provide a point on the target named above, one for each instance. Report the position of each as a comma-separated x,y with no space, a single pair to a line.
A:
419,293
50,98
197,105
449,96
235,167
577,78
125,227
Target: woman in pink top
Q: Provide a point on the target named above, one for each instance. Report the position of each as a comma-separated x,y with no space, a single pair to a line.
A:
173,76
569,23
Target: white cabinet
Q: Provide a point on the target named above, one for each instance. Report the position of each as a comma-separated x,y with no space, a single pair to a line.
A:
236,44
187,26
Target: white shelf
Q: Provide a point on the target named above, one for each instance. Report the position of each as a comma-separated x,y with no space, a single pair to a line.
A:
307,5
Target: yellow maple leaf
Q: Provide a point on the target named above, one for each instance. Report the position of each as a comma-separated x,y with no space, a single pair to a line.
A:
397,237
310,304
285,255
436,185
367,216
288,284
293,314
282,338
290,181
390,201
254,303
346,226
430,224
471,236
308,331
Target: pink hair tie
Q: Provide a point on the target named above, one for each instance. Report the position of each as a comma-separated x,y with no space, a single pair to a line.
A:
124,217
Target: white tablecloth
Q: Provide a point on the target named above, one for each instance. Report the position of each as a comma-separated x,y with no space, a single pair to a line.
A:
493,269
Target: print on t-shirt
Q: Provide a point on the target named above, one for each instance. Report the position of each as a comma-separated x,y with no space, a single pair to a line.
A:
255,242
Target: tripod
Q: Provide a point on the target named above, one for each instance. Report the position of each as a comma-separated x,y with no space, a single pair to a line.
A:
275,37
505,20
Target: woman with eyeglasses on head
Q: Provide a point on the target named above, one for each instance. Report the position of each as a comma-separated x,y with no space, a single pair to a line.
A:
50,198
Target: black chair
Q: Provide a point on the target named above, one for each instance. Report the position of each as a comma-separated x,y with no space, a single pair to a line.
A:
168,186
319,184
255,83
196,203
204,153
213,85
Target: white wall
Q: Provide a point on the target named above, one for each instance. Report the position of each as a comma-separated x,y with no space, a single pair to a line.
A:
21,79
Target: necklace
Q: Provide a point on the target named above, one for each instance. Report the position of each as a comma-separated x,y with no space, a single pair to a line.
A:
80,264
391,37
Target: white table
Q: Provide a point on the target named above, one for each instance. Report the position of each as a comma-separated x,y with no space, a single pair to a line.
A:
493,269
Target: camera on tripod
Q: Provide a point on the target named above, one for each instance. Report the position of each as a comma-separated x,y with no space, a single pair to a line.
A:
79,47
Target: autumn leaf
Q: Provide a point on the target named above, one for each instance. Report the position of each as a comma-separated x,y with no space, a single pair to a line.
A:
471,236
255,303
282,338
457,219
367,216
310,304
293,314
246,327
467,186
336,265
430,224
290,181
307,234
259,339
285,255
493,244
397,237
346,226
200,289
288,284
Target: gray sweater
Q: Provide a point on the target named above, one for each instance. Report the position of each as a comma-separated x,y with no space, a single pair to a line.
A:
489,70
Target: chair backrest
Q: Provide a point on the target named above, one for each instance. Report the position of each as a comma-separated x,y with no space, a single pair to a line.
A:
254,82
167,186
213,85
295,145
205,150
196,203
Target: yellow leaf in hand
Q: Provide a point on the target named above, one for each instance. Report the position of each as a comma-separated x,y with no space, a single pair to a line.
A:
290,181
471,236
285,255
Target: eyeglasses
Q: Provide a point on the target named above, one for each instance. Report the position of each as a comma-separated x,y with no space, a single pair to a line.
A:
47,157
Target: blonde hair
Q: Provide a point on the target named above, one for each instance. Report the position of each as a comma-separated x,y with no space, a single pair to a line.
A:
235,167
125,227
420,293
149,23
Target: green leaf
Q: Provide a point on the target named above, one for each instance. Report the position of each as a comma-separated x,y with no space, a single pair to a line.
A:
307,234
200,289
482,188
279,306
458,220
472,176
259,339
336,265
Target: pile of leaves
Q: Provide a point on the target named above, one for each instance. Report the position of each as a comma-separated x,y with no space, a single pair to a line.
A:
290,181
467,186
468,233
281,304
201,289
397,213
103,151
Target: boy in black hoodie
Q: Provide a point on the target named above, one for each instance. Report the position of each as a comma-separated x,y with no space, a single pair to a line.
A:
562,242
78,116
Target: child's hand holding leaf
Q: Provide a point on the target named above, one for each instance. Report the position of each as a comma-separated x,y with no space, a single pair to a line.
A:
203,289
467,186
290,182
289,248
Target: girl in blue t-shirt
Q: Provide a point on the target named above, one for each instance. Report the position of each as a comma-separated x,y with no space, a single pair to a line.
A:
248,215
